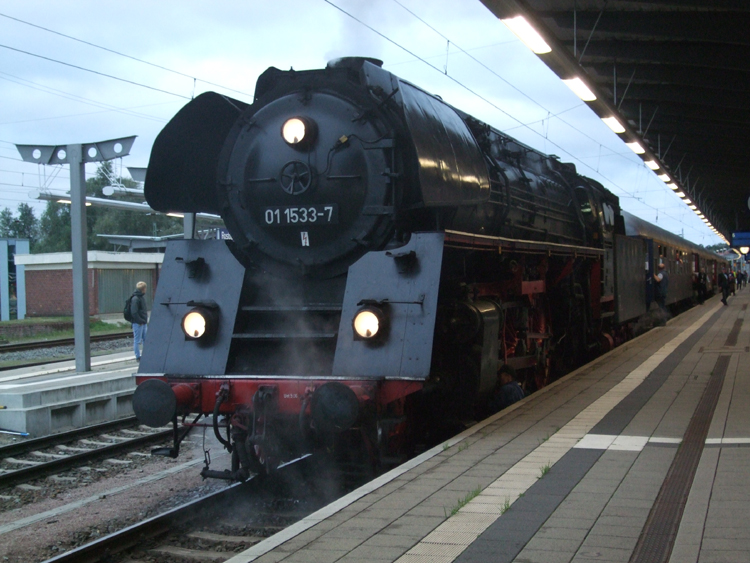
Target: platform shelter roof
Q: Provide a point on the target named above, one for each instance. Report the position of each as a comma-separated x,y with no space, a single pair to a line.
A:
676,73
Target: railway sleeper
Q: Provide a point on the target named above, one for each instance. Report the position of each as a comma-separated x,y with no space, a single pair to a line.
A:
72,448
193,554
26,462
49,455
221,538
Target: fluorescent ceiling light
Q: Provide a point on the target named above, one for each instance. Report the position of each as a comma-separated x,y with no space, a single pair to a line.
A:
614,124
652,164
693,207
583,92
527,34
687,201
664,178
180,215
636,147
673,186
680,194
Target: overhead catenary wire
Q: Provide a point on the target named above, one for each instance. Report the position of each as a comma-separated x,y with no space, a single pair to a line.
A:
84,69
75,98
90,44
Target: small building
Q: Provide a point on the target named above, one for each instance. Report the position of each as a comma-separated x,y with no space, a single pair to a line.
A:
112,278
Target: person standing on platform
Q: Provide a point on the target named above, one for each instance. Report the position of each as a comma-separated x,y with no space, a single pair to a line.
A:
702,286
140,317
724,284
662,285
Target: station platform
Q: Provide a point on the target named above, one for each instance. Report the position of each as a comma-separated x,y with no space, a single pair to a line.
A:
641,455
53,398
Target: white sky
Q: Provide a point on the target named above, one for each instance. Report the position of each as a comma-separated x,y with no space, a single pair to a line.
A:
490,75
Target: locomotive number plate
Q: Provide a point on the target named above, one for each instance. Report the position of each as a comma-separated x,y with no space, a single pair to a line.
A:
311,214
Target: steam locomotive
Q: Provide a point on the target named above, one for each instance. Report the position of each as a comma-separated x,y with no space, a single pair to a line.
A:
388,255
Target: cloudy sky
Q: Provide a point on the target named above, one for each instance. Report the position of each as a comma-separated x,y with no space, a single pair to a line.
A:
86,71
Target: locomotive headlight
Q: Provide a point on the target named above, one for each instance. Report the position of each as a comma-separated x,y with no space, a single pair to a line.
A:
299,132
370,323
200,322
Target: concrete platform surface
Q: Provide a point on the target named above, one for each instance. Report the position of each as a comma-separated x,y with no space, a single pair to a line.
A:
54,398
644,451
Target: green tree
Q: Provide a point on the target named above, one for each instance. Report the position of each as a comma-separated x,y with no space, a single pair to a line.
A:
6,223
54,227
25,225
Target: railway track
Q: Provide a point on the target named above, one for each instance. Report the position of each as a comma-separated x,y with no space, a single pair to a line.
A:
217,526
32,459
39,344
49,344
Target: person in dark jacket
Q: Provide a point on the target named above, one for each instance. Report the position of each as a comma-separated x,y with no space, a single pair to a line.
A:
508,390
662,285
140,317
724,284
702,286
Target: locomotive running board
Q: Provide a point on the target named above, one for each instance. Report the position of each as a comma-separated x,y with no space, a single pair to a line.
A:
471,240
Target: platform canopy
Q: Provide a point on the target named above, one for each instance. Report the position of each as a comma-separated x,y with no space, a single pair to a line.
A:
676,75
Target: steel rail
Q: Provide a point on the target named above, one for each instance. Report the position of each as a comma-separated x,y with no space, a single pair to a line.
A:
219,501
57,465
26,446
37,344
136,534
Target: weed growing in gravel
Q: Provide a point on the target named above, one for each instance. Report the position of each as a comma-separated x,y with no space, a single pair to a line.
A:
462,502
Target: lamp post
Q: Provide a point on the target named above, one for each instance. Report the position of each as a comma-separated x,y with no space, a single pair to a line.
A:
77,155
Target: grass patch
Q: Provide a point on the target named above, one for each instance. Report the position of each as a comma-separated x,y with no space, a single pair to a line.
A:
96,326
36,321
462,502
544,470
462,447
505,507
